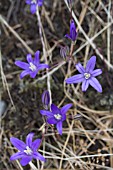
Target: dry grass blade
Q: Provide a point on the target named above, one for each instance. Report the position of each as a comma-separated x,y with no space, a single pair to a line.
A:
2,20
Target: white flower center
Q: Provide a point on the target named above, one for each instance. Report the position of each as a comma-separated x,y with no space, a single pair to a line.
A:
32,67
57,116
33,2
87,75
28,151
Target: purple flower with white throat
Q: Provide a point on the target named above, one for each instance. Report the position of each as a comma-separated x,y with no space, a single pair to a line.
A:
73,32
56,116
33,4
32,67
27,151
87,75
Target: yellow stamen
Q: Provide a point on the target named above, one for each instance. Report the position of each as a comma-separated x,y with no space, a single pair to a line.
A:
87,75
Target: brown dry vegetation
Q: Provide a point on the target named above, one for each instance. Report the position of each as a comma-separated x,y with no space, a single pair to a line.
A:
85,143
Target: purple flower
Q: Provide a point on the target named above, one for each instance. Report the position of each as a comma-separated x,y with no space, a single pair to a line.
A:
56,116
45,99
73,33
33,4
32,67
27,151
87,75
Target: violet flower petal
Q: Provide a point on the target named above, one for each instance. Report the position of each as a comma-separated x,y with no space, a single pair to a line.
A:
22,65
46,113
96,72
65,108
37,155
67,36
28,2
20,145
35,144
42,66
73,33
33,74
29,139
17,155
51,120
55,109
85,85
33,8
63,117
29,58
40,2
80,68
36,59
25,160
24,73
75,79
91,64
95,84
59,127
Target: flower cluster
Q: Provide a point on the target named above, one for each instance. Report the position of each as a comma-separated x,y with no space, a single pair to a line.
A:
52,114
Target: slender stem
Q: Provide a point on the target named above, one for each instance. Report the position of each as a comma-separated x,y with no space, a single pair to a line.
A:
44,50
32,166
71,52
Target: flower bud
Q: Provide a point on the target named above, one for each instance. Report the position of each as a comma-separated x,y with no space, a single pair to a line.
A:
64,51
73,32
45,99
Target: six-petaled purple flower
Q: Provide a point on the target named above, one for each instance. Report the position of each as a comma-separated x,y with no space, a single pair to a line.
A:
73,32
33,4
56,116
27,151
87,75
32,67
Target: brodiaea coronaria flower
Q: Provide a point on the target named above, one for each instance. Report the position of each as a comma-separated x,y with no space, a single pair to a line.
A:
56,116
33,4
27,151
87,75
73,33
32,67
